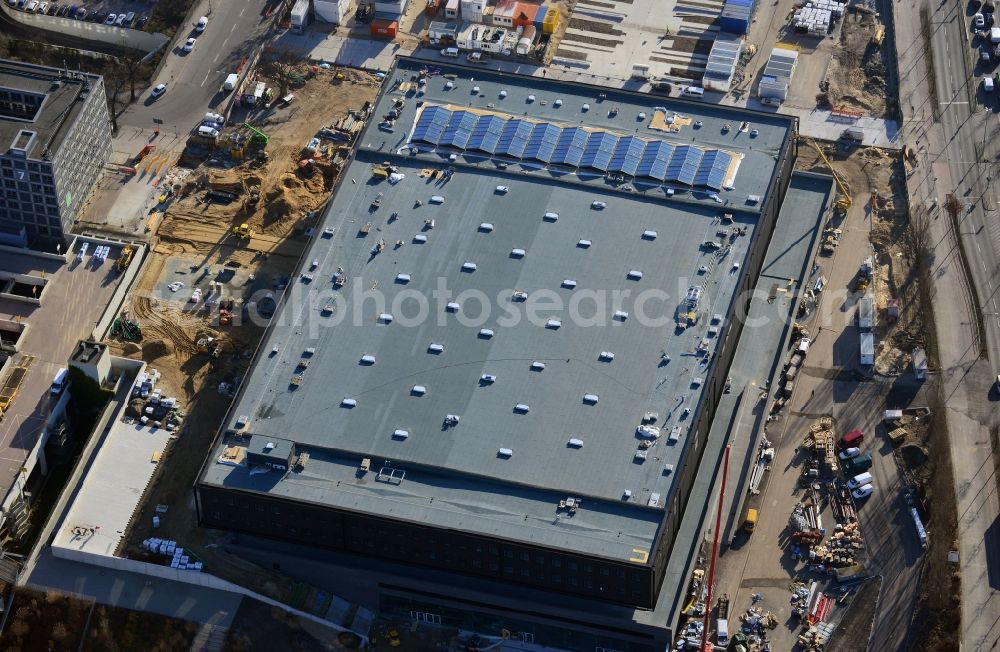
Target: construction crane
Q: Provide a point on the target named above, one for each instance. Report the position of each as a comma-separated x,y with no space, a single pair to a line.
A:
844,201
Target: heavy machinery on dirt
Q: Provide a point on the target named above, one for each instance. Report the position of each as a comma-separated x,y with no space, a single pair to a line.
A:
243,231
125,258
843,203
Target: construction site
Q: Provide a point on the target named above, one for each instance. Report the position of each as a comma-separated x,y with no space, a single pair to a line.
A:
856,78
235,219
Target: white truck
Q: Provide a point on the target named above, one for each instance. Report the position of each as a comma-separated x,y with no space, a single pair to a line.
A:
231,80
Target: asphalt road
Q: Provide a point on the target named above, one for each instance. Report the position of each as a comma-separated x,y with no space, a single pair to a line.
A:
956,155
194,79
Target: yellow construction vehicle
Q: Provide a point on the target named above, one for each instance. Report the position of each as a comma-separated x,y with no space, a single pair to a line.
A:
384,170
243,231
843,203
125,258
878,36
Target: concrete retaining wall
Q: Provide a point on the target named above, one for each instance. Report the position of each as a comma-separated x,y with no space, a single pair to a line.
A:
124,285
118,36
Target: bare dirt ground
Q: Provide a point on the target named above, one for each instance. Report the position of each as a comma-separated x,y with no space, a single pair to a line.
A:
200,233
856,78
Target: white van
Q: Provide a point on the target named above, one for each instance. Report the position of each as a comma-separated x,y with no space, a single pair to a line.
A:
722,632
449,52
60,381
202,23
693,91
208,132
859,480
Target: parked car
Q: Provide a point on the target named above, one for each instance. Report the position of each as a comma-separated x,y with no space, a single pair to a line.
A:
195,296
139,24
848,453
110,20
201,24
120,21
158,90
32,6
43,7
53,9
863,492
189,44
979,21
80,13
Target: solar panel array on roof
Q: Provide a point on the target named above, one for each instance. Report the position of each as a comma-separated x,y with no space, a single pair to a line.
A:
554,144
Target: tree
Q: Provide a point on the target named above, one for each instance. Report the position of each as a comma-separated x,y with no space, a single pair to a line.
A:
133,67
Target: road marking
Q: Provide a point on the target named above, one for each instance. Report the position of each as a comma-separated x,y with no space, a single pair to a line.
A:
223,47
205,79
233,29
954,102
242,10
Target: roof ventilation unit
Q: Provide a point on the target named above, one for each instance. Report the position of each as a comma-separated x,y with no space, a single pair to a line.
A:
385,318
554,324
437,199
368,359
242,421
418,390
522,408
453,306
575,443
519,296
503,94
400,434
537,366
269,446
621,315
584,244
517,253
590,399
550,217
649,235
486,227
402,279
606,356
468,266
486,333
349,403
634,275
420,238
654,500
505,452
487,379
435,348
569,283
557,103
627,494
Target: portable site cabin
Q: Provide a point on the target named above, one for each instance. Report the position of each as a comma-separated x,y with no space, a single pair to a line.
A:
866,313
867,349
300,16
919,358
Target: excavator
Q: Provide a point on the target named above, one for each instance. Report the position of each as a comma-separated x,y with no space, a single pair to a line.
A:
243,231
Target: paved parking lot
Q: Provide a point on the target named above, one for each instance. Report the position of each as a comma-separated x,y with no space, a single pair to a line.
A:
100,11
608,37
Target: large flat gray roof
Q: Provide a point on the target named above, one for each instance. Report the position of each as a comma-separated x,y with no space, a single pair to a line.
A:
56,90
455,476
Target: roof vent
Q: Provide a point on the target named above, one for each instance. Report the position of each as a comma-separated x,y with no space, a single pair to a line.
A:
486,333
634,275
590,399
418,390
503,94
550,217
621,315
537,366
606,356
385,318
242,421
575,443
486,227
368,359
649,235
554,324
585,107
654,500
435,348
468,266
269,446
505,452
348,403
403,278
400,434
569,283
522,408
627,494
584,244
453,306
437,199
420,238
487,379
557,103
519,296
517,253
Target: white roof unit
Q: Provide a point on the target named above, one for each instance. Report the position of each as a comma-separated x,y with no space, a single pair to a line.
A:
367,359
468,266
584,244
348,403
517,253
385,318
486,333
400,434
418,390
486,227
437,199
453,306
550,217
575,443
649,235
569,283
522,408
403,278
606,356
634,275
505,452
537,366
420,238
590,399
621,315
434,347
553,324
